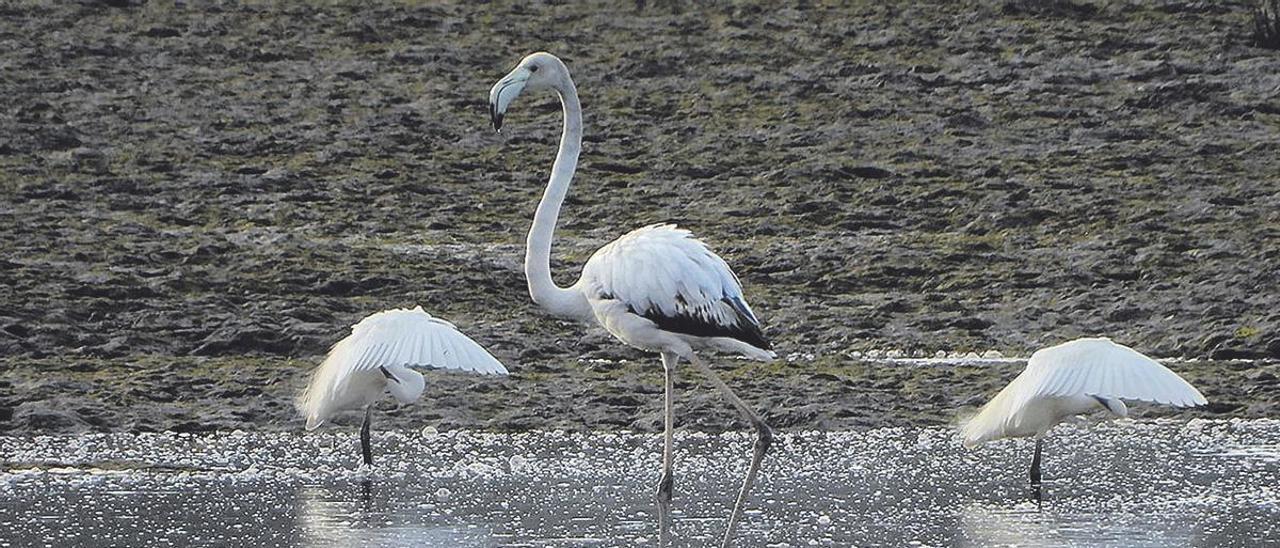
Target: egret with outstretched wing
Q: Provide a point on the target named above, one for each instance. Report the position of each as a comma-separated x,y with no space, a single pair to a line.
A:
1072,378
380,356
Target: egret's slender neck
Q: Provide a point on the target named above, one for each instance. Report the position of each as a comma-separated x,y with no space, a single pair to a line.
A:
537,257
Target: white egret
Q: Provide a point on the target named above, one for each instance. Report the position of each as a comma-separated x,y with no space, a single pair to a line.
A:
656,288
1063,381
377,357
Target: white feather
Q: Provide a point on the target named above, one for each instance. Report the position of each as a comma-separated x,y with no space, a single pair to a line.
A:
1062,381
665,269
351,375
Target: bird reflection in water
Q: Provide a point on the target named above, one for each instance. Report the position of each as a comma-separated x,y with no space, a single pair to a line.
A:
329,517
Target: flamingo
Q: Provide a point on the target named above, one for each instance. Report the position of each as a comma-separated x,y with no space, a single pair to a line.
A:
1072,378
656,288
378,357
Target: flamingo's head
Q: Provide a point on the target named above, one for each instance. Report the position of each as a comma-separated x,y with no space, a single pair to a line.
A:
537,71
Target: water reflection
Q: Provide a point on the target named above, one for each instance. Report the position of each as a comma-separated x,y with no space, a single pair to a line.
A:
992,525
1028,524
664,523
1143,484
332,517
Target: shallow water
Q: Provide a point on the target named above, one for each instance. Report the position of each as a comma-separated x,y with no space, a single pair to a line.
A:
1203,483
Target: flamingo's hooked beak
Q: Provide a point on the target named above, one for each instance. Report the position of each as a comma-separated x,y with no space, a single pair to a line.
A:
495,117
504,92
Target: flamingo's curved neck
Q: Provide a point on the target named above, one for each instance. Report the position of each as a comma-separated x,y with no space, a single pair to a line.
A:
569,303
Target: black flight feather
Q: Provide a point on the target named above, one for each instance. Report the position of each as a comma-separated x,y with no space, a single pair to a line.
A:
743,328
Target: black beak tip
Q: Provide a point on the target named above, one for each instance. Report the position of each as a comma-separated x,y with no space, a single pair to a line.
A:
495,117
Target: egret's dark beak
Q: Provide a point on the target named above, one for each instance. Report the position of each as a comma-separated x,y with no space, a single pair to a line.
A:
388,374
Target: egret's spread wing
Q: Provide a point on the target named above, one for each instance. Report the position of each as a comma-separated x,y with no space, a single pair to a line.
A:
409,338
995,418
664,274
1083,367
388,342
1099,367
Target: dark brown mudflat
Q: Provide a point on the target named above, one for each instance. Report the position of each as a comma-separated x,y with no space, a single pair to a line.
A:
191,196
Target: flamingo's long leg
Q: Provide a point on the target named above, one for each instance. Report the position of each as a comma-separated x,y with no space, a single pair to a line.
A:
664,524
763,440
665,483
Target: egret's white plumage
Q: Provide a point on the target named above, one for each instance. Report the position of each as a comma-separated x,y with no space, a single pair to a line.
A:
656,288
1073,378
379,356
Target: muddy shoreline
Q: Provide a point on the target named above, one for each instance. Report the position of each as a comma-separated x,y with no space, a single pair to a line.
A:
211,194
222,394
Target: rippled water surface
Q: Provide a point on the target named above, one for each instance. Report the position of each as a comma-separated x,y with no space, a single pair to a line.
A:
1203,483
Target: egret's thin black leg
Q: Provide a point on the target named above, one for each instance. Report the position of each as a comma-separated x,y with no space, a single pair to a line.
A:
1035,464
364,436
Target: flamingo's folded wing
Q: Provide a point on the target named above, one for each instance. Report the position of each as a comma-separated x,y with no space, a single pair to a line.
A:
667,276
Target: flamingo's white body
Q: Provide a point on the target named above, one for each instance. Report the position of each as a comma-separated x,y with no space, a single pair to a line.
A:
379,356
656,288
1072,378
